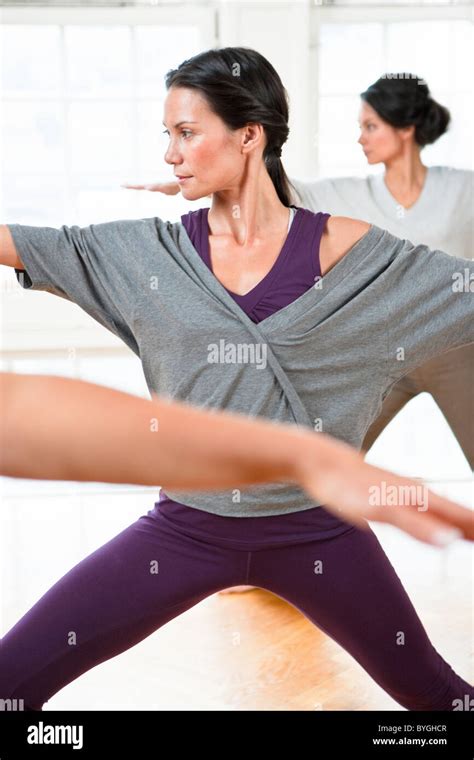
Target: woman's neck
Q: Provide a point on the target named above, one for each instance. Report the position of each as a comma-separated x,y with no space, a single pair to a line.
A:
405,175
249,210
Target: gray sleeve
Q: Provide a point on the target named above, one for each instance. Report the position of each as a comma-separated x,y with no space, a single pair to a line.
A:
430,305
95,267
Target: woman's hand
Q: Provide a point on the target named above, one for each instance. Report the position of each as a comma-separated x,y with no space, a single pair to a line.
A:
356,491
168,188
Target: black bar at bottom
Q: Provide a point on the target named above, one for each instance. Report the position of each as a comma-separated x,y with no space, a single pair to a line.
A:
322,734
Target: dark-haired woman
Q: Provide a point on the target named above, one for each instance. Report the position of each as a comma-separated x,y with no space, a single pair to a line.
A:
256,307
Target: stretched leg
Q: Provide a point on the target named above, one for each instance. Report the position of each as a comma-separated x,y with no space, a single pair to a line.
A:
401,393
450,380
347,586
117,596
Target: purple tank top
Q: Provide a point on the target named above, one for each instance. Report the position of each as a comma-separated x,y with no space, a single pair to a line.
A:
292,274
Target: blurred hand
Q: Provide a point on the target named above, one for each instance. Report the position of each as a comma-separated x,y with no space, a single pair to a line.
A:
356,492
168,188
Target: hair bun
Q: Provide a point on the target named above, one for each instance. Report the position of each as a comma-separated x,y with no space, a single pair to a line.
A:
433,124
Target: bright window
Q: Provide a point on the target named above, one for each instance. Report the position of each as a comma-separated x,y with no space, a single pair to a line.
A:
81,114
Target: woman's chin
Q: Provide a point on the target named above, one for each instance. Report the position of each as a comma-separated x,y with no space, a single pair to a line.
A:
373,160
192,195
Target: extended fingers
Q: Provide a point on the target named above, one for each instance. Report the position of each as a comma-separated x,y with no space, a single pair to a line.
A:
420,524
455,514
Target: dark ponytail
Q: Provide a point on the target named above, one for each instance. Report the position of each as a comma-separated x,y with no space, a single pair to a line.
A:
404,99
241,87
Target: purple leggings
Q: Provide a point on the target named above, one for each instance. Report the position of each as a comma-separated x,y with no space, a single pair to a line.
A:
170,559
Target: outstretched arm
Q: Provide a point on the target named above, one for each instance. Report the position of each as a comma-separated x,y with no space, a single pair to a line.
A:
59,428
63,429
95,267
8,253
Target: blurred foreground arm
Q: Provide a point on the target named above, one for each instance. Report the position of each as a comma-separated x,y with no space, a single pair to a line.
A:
57,428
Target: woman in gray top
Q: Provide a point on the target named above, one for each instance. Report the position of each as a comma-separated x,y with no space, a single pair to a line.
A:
331,350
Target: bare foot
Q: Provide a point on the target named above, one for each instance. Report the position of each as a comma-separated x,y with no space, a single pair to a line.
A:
233,589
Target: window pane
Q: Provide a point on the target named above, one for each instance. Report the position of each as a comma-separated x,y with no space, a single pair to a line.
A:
32,135
155,55
34,199
101,136
30,60
415,47
462,56
98,60
341,43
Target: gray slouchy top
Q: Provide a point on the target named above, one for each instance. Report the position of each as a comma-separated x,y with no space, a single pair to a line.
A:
325,361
